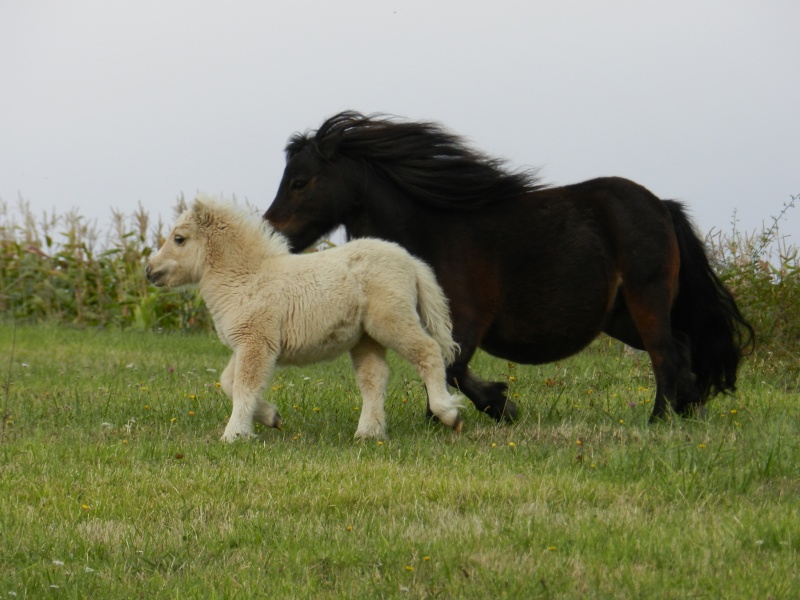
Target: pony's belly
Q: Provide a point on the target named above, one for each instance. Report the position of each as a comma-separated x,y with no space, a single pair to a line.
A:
537,352
321,349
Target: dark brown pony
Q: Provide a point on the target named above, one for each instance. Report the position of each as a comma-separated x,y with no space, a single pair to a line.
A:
533,273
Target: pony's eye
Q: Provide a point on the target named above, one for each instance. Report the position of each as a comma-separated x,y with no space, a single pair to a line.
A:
179,239
298,184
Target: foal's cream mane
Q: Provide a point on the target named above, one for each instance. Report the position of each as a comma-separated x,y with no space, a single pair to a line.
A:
251,231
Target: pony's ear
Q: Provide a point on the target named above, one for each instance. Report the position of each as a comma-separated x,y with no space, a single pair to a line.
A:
203,212
329,149
327,152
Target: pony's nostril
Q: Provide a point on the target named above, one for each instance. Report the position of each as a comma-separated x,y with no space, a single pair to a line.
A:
151,275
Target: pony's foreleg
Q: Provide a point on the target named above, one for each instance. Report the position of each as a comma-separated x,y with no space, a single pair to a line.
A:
226,380
245,375
372,375
489,397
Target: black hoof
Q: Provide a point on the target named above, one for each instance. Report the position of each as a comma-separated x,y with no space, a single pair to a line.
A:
505,412
693,411
497,406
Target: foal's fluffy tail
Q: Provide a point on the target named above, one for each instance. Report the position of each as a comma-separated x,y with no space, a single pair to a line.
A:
435,311
706,312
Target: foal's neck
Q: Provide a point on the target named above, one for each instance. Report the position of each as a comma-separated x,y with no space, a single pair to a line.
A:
230,268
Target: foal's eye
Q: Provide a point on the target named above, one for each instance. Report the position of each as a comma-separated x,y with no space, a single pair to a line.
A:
179,239
298,184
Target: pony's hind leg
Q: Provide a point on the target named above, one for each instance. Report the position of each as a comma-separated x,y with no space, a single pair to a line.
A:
226,379
443,405
425,355
675,387
688,400
267,414
372,375
395,324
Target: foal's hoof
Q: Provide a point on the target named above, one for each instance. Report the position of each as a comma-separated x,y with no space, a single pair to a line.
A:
230,438
458,425
278,424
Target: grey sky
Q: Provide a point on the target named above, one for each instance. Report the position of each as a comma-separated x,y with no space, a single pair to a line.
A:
106,103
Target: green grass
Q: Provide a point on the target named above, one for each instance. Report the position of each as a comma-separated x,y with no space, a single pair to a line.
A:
114,483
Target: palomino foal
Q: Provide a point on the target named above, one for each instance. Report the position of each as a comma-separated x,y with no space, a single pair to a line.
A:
275,308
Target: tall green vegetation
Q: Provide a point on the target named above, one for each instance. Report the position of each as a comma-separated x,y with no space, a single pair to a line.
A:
60,268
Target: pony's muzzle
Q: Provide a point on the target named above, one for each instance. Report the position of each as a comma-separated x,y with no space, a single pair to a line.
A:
153,277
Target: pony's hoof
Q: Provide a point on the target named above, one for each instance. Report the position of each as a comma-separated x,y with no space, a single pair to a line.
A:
507,414
458,425
230,438
278,424
510,412
370,434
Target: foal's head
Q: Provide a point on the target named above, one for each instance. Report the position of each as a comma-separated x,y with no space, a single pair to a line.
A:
215,235
180,260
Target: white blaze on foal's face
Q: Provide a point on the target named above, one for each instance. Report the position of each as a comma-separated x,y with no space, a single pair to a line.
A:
179,262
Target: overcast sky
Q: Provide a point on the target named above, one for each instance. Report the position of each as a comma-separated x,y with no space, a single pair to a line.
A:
105,103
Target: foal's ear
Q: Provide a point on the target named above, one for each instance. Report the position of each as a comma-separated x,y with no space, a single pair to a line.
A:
203,213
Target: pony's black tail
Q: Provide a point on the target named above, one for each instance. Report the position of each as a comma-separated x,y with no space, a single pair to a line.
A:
706,313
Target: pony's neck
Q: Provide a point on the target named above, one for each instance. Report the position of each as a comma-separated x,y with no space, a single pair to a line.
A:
232,265
387,213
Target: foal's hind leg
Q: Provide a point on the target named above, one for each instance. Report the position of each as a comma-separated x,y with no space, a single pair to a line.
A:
427,359
406,336
372,375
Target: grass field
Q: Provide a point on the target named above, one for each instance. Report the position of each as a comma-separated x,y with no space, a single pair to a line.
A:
114,483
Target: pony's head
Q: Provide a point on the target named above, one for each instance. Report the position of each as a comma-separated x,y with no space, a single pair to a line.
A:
211,233
316,192
355,161
180,260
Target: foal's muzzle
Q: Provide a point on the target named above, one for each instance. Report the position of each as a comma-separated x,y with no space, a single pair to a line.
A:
153,277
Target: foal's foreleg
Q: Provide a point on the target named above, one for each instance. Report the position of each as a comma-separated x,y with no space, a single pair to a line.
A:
242,380
372,375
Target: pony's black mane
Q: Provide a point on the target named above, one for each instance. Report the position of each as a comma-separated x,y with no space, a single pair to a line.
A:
423,159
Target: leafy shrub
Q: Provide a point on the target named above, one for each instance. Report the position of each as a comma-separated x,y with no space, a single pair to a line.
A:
763,272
